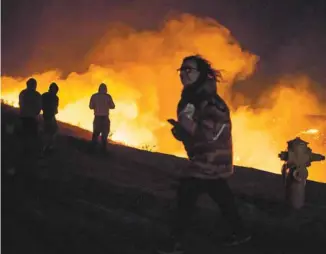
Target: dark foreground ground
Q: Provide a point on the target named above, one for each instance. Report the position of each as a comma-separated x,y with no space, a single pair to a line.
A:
75,202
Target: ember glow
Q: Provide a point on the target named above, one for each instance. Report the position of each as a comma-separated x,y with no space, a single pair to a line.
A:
140,71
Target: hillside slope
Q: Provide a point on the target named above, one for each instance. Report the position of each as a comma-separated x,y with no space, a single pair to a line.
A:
92,203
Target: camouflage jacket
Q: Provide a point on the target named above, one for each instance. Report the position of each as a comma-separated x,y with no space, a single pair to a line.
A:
209,146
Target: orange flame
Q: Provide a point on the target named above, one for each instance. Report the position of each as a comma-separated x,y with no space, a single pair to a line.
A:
139,69
310,131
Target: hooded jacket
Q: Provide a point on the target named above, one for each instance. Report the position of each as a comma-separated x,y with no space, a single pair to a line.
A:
50,103
101,102
209,147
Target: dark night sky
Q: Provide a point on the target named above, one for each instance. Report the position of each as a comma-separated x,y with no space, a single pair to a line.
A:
288,35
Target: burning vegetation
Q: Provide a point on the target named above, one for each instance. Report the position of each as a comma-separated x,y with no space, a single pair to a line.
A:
140,71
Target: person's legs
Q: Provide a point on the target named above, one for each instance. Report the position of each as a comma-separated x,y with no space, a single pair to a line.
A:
54,132
46,130
221,193
105,132
96,131
29,134
50,130
34,128
187,195
35,137
24,126
25,133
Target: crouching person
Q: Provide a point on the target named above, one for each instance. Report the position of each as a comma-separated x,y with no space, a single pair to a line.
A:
204,127
101,103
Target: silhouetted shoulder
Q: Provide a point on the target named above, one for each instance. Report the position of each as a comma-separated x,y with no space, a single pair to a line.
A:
22,92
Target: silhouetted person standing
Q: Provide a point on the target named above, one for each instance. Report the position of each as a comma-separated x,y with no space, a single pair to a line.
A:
101,103
204,128
50,104
30,105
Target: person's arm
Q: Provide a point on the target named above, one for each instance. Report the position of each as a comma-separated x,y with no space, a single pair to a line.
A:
177,131
111,103
21,100
91,103
43,98
186,121
38,103
215,120
213,117
56,104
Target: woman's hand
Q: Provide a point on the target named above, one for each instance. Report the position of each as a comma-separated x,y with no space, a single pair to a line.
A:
177,131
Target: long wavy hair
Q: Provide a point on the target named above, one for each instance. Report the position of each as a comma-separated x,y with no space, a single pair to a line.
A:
205,68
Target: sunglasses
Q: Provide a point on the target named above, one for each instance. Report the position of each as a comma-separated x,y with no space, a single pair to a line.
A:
187,69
